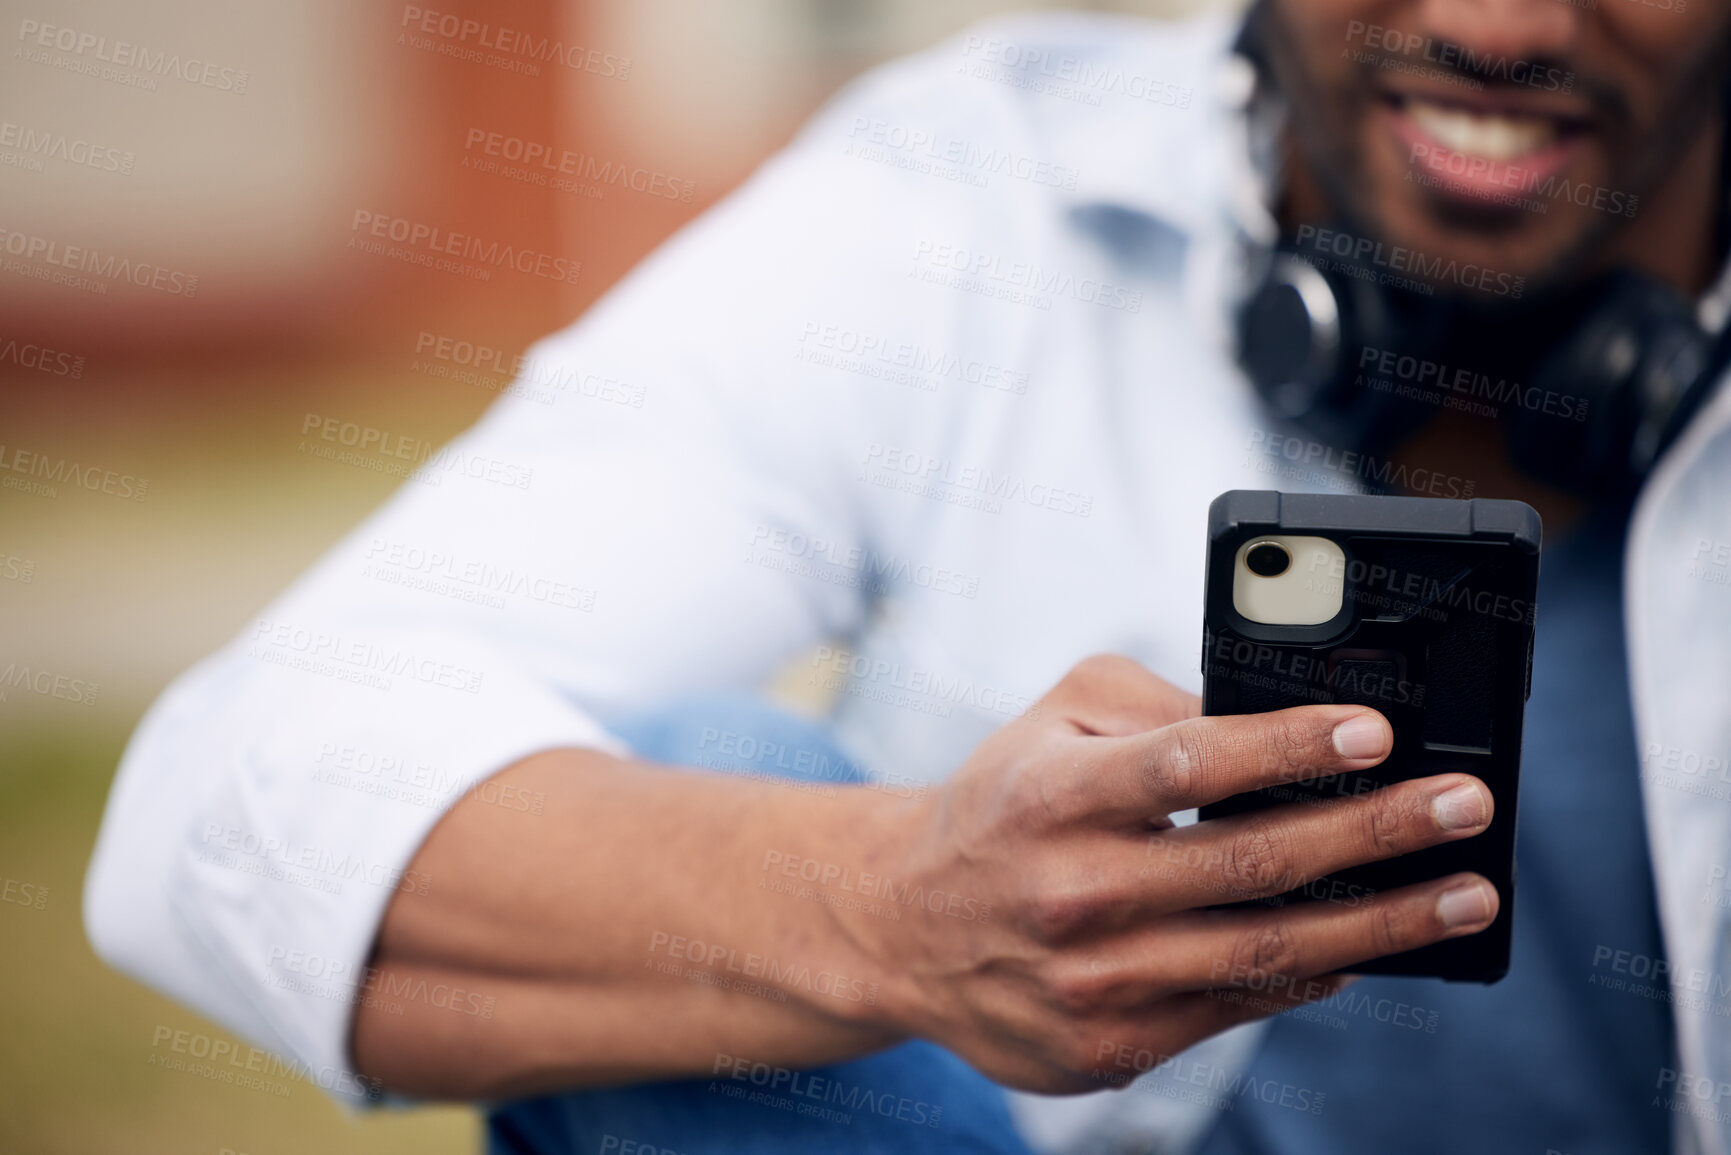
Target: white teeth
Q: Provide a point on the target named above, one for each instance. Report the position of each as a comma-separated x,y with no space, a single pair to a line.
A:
1491,136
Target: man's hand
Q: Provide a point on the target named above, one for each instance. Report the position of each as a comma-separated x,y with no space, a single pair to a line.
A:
1037,910
1060,822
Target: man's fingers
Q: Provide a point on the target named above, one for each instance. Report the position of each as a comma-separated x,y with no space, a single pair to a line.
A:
1271,950
1273,851
1112,695
1201,760
1104,883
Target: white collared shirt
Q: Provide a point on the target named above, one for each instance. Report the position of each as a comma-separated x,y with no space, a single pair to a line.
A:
949,379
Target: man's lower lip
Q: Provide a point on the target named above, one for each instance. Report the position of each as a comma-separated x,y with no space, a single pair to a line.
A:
1475,178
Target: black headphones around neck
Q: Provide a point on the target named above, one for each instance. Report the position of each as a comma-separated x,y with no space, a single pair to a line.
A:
1590,384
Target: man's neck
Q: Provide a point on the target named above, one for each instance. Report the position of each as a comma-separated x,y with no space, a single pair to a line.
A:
1674,238
1473,450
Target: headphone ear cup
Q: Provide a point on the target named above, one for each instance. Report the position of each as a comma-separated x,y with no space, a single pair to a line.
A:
1289,337
1309,337
1600,403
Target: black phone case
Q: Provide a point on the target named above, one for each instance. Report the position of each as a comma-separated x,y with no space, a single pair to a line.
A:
1435,631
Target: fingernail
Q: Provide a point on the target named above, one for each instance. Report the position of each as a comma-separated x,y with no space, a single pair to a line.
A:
1464,906
1361,736
1463,808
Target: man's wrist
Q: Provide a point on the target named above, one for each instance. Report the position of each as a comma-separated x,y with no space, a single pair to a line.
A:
857,865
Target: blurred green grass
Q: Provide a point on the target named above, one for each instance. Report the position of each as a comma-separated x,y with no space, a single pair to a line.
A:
125,595
74,1071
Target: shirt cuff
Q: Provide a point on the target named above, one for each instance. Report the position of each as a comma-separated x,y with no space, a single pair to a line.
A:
271,805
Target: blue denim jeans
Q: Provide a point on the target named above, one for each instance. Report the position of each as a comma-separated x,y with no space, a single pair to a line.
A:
915,1099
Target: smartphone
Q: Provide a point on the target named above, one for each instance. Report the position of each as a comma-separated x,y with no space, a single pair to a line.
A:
1419,607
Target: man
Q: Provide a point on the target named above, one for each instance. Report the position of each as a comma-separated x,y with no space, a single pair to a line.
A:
941,397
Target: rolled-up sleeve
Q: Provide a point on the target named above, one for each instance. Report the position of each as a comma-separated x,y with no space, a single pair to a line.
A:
653,507
553,568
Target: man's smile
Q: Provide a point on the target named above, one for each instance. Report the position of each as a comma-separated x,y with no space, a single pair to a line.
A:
1477,148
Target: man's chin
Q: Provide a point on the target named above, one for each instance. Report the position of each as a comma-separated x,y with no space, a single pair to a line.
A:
1525,233
1513,243
1464,221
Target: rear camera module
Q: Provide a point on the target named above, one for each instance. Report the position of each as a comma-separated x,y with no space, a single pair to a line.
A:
1284,580
1267,559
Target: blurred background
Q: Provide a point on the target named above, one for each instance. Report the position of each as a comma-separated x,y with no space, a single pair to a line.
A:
182,282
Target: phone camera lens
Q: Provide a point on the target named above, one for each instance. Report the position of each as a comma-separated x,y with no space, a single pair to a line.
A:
1266,559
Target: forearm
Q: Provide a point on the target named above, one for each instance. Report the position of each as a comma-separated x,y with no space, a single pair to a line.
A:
573,933
1040,907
